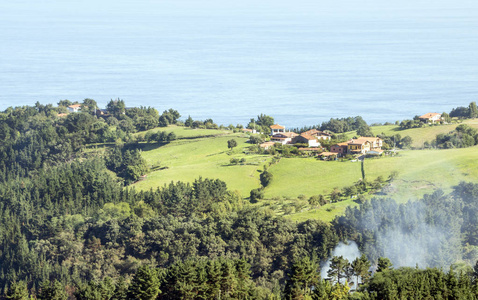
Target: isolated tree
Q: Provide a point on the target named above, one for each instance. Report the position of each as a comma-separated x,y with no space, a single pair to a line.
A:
473,110
406,142
189,122
364,130
231,144
446,117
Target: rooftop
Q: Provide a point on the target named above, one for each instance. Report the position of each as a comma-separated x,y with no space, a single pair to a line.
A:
277,126
429,115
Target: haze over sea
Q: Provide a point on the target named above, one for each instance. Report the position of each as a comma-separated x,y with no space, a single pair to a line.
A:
300,61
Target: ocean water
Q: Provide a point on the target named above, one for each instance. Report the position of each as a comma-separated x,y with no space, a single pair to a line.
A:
301,61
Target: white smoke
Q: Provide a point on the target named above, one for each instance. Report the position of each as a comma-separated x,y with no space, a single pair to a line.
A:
411,236
348,250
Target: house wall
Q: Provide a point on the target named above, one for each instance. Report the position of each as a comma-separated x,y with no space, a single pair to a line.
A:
276,131
314,143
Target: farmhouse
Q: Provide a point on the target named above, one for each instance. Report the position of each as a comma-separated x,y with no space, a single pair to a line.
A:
247,130
74,108
430,117
340,149
311,141
276,128
266,145
284,137
320,135
327,155
361,145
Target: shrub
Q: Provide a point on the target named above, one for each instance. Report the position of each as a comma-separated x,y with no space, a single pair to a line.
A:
256,194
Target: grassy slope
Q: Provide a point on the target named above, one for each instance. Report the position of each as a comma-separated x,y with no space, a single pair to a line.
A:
186,160
420,172
184,132
419,135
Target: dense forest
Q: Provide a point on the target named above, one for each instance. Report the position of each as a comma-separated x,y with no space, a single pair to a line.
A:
72,227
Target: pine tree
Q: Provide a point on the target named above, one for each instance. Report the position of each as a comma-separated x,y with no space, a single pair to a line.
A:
145,284
17,291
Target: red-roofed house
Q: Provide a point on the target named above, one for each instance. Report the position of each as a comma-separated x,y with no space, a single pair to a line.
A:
284,137
311,141
320,135
340,148
276,128
267,145
431,117
364,144
74,108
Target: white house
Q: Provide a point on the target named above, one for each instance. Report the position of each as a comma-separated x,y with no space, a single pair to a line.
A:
311,141
74,108
431,117
276,128
284,137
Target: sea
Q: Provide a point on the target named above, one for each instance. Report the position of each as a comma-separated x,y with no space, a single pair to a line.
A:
302,62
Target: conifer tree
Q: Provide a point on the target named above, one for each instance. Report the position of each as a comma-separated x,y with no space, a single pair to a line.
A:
145,284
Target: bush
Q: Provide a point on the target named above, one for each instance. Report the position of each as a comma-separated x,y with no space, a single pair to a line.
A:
256,194
266,178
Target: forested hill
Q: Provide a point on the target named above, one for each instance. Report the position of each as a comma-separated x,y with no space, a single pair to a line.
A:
70,229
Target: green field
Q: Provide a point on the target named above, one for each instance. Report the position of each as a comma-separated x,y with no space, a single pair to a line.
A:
418,135
207,155
419,172
185,132
188,159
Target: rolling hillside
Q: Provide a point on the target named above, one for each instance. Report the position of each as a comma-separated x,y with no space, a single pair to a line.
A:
205,153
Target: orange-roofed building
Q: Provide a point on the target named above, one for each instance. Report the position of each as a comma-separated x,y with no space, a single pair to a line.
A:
340,149
320,135
431,117
308,139
74,108
276,128
284,137
266,145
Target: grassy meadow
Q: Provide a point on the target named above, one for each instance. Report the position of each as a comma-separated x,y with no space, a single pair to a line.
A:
188,159
419,172
204,153
418,135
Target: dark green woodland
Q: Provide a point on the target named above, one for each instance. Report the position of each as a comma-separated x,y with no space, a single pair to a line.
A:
72,227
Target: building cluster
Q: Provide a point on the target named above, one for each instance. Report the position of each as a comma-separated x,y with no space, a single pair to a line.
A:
310,138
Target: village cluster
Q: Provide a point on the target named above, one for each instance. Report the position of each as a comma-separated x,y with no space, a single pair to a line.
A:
312,138
361,146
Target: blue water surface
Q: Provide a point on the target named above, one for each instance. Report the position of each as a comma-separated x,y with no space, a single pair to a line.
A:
300,61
